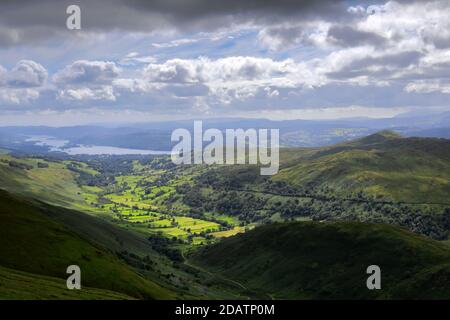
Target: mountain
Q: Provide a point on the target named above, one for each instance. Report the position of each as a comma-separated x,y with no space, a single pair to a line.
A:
34,243
383,178
293,133
329,261
383,165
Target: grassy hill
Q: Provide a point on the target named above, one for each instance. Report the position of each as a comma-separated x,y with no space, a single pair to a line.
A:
383,165
51,182
329,260
34,243
383,178
17,285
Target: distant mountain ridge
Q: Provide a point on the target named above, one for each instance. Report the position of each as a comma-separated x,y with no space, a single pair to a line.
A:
293,133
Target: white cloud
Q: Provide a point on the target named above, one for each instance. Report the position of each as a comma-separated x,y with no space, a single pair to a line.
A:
230,78
100,93
25,74
83,71
228,69
174,43
22,84
427,87
10,96
133,58
271,93
87,80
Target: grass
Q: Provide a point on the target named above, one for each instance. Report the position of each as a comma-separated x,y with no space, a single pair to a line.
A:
54,184
140,205
17,285
383,165
34,243
228,233
329,260
164,223
196,225
171,232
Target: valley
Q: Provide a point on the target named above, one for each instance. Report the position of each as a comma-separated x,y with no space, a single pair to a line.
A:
166,222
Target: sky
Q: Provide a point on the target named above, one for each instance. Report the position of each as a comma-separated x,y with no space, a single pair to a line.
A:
140,61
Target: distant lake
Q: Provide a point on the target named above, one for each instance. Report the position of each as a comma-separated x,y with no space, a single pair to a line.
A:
58,145
47,141
96,150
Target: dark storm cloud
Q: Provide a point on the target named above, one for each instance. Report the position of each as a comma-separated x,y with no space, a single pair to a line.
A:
386,65
190,10
28,21
347,36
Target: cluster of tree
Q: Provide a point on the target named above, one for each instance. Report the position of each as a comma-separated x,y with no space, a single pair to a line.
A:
20,165
433,222
164,246
258,202
164,162
85,178
231,177
42,165
142,263
246,206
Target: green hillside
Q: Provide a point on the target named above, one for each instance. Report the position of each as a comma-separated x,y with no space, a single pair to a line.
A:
383,165
34,243
382,178
17,285
49,181
329,260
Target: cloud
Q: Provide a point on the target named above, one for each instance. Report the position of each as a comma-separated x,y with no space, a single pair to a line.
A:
8,37
285,36
376,65
134,58
25,74
87,80
402,25
100,93
428,87
91,72
393,24
22,83
174,43
227,79
229,69
32,22
18,96
346,36
248,55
